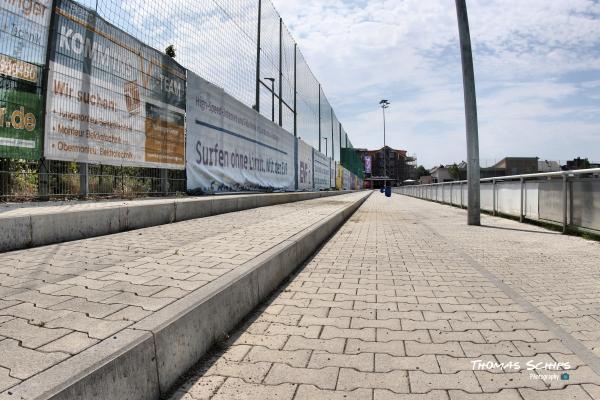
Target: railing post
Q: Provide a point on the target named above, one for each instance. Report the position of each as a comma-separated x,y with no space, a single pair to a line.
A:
493,197
461,195
565,203
522,213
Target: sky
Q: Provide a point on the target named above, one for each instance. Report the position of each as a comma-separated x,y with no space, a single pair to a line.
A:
537,72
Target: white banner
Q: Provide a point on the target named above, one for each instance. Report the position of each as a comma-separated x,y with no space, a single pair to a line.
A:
332,173
305,166
322,170
346,179
110,98
231,147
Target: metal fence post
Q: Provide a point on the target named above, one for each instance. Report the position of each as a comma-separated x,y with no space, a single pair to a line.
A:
43,182
320,140
280,71
461,195
522,206
164,181
296,96
565,202
257,100
84,184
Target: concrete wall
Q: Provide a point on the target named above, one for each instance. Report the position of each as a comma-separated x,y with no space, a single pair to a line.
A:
61,224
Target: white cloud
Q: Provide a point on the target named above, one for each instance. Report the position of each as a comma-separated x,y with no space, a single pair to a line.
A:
537,63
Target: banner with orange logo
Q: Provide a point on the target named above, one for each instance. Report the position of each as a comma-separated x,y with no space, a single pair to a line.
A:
24,29
110,98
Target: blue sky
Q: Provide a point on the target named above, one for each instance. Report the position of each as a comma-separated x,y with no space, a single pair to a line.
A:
537,69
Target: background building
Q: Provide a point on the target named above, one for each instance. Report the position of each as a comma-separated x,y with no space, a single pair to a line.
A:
400,166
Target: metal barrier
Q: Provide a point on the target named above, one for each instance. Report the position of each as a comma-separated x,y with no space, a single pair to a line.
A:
568,198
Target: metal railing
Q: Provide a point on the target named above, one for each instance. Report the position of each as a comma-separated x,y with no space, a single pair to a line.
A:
569,198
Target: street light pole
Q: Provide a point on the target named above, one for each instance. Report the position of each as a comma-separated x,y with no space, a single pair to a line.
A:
384,104
272,98
473,173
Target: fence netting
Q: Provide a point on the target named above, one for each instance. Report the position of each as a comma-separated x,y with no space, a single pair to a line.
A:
219,41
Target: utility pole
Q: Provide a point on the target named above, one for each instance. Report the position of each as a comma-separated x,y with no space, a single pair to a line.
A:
473,173
384,104
257,94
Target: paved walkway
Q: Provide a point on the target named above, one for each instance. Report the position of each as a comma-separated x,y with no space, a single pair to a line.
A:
407,302
58,300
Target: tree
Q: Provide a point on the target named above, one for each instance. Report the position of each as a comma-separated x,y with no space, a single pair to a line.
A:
454,172
170,51
421,171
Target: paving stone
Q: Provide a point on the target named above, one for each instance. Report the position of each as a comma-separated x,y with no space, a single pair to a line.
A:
425,363
335,345
394,348
361,362
421,382
95,328
382,394
310,392
323,378
72,343
295,358
505,394
24,363
249,372
572,392
493,382
202,388
329,332
235,388
90,308
30,336
274,342
129,313
6,381
35,315
396,381
450,348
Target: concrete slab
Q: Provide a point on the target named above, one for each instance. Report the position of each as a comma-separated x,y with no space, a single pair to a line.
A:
41,224
234,269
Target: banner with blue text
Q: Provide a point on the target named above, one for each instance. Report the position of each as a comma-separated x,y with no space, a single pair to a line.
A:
232,148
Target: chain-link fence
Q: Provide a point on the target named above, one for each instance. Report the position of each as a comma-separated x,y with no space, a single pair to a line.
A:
241,45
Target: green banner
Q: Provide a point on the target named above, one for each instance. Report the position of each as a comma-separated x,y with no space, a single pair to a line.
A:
24,29
20,120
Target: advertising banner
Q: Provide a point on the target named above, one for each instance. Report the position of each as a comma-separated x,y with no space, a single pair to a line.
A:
322,171
231,147
111,99
333,171
339,177
346,179
305,166
368,164
24,27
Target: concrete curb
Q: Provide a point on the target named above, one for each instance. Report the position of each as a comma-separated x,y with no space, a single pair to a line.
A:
39,229
146,359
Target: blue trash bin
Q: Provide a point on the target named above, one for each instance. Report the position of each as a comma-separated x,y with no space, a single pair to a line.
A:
388,191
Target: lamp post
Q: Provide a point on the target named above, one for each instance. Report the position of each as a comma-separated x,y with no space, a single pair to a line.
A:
468,75
272,98
384,104
325,146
